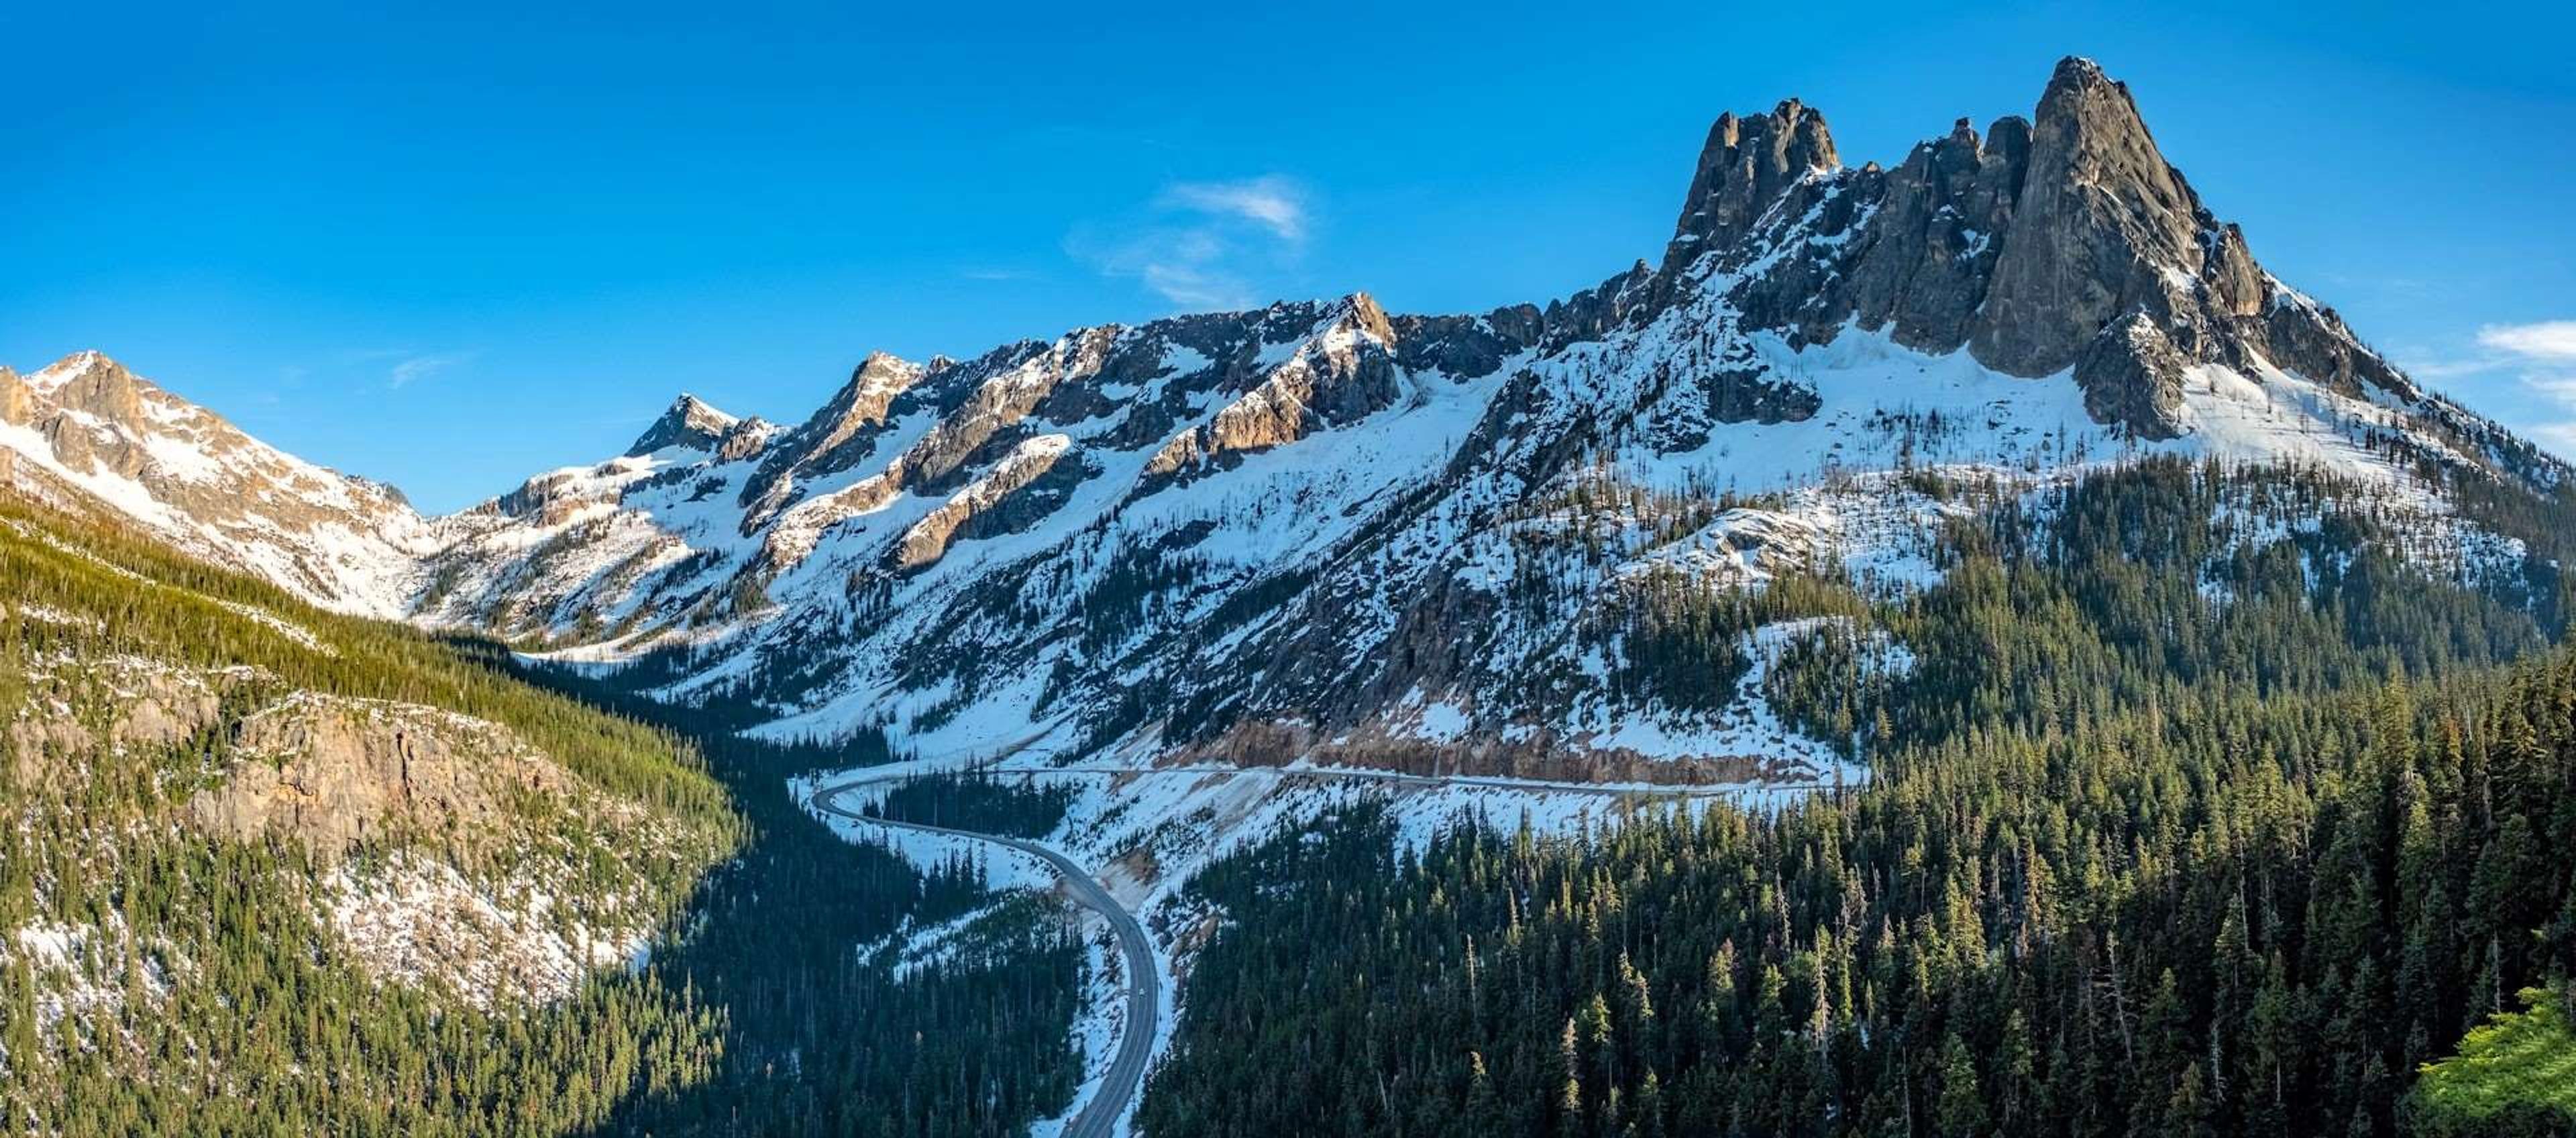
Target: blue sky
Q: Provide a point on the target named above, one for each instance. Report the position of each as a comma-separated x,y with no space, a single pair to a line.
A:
452,245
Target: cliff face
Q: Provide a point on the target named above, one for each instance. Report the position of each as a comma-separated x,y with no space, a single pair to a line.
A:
331,774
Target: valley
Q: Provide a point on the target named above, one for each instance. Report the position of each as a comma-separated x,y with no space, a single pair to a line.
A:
1952,647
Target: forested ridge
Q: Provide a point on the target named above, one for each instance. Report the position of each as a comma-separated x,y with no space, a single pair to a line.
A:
203,993
2231,917
197,990
2159,840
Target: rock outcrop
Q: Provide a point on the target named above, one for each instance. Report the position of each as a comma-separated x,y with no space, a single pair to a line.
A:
689,424
928,538
120,702
2061,244
1935,235
330,773
2100,218
327,773
836,434
1744,167
1346,372
16,402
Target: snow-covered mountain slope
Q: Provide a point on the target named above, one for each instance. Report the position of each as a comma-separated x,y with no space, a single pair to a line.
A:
86,431
1322,531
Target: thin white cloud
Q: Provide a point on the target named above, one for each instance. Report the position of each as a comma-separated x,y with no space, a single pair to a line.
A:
415,368
2539,355
2546,340
1203,245
1192,268
2559,437
2433,367
1271,200
2526,374
1193,287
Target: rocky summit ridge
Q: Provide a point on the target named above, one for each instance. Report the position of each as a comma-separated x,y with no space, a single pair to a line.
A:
2063,242
1321,524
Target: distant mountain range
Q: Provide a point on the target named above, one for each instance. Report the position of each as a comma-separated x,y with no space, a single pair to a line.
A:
1320,528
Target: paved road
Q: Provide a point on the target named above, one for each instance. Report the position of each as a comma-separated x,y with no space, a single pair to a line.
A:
1399,778
1126,1076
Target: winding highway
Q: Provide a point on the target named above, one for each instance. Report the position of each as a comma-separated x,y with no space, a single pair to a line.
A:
1118,1088
1099,1117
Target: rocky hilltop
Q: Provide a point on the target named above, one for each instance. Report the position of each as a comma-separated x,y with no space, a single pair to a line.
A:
1324,528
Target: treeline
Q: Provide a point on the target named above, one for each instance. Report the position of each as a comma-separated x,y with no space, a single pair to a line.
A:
2230,916
2145,586
818,1035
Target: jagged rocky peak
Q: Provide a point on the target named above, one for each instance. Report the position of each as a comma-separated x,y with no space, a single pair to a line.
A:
691,423
1744,167
1360,312
2100,220
90,382
2062,243
2114,268
882,367
862,402
1937,227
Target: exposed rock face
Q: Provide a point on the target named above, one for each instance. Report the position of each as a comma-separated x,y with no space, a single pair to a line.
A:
2313,341
2132,373
153,706
2100,216
15,400
329,773
1347,373
1596,311
689,424
2062,243
1935,235
929,537
325,772
1466,346
836,434
1744,167
744,439
94,384
994,407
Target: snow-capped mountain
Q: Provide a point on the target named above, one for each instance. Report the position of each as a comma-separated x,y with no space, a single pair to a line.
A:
85,430
1325,530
